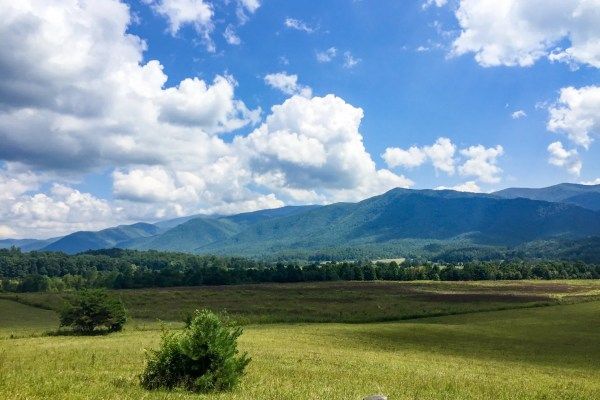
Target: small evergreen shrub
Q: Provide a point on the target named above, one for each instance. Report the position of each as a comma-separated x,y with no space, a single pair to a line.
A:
89,311
202,358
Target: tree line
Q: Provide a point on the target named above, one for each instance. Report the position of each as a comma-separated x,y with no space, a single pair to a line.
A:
129,269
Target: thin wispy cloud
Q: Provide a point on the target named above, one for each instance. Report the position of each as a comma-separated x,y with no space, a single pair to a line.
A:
326,55
298,25
350,61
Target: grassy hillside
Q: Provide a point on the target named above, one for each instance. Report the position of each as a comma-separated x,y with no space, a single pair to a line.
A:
17,319
540,353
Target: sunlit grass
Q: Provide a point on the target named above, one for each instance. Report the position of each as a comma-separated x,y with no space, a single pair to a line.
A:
544,353
548,352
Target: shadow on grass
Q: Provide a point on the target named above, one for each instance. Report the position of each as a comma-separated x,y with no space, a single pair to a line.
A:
69,332
561,336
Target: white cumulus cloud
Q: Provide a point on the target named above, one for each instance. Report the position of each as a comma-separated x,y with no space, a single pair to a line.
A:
197,13
440,154
561,157
288,84
313,147
410,158
477,161
482,163
469,186
520,32
61,211
577,114
74,80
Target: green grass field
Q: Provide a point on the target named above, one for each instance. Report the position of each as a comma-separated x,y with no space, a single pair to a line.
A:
337,301
550,352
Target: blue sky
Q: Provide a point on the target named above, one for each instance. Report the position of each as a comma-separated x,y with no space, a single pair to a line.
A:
145,109
409,96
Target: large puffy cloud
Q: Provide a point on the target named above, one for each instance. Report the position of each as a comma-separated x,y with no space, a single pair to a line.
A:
25,212
519,32
61,211
197,13
409,158
75,97
156,184
477,161
307,144
14,182
482,163
577,114
211,107
441,155
561,157
73,79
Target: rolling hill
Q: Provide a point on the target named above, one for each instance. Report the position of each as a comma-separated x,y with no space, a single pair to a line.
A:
106,238
202,231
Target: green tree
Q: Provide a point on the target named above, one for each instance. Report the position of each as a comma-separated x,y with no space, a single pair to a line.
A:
202,358
93,309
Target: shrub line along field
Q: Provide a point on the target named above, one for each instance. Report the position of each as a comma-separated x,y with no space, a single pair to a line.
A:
526,352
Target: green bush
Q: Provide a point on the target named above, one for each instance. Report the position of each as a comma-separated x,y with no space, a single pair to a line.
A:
89,311
202,358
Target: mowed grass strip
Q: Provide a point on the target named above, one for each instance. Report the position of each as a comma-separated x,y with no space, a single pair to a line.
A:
536,353
338,301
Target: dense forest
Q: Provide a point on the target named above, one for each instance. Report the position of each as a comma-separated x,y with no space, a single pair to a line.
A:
121,269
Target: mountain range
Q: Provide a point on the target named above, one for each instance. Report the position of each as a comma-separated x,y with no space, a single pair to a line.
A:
586,196
399,222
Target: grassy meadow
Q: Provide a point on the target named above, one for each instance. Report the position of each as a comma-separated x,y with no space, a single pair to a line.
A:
523,350
351,302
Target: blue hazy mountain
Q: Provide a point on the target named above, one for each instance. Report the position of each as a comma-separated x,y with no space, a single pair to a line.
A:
586,196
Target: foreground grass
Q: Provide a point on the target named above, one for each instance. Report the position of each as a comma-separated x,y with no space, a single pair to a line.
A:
536,353
338,301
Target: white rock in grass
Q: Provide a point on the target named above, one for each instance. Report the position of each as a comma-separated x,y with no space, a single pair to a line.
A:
375,397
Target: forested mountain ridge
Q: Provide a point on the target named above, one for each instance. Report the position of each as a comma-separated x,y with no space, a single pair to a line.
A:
409,214
586,196
399,222
106,238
